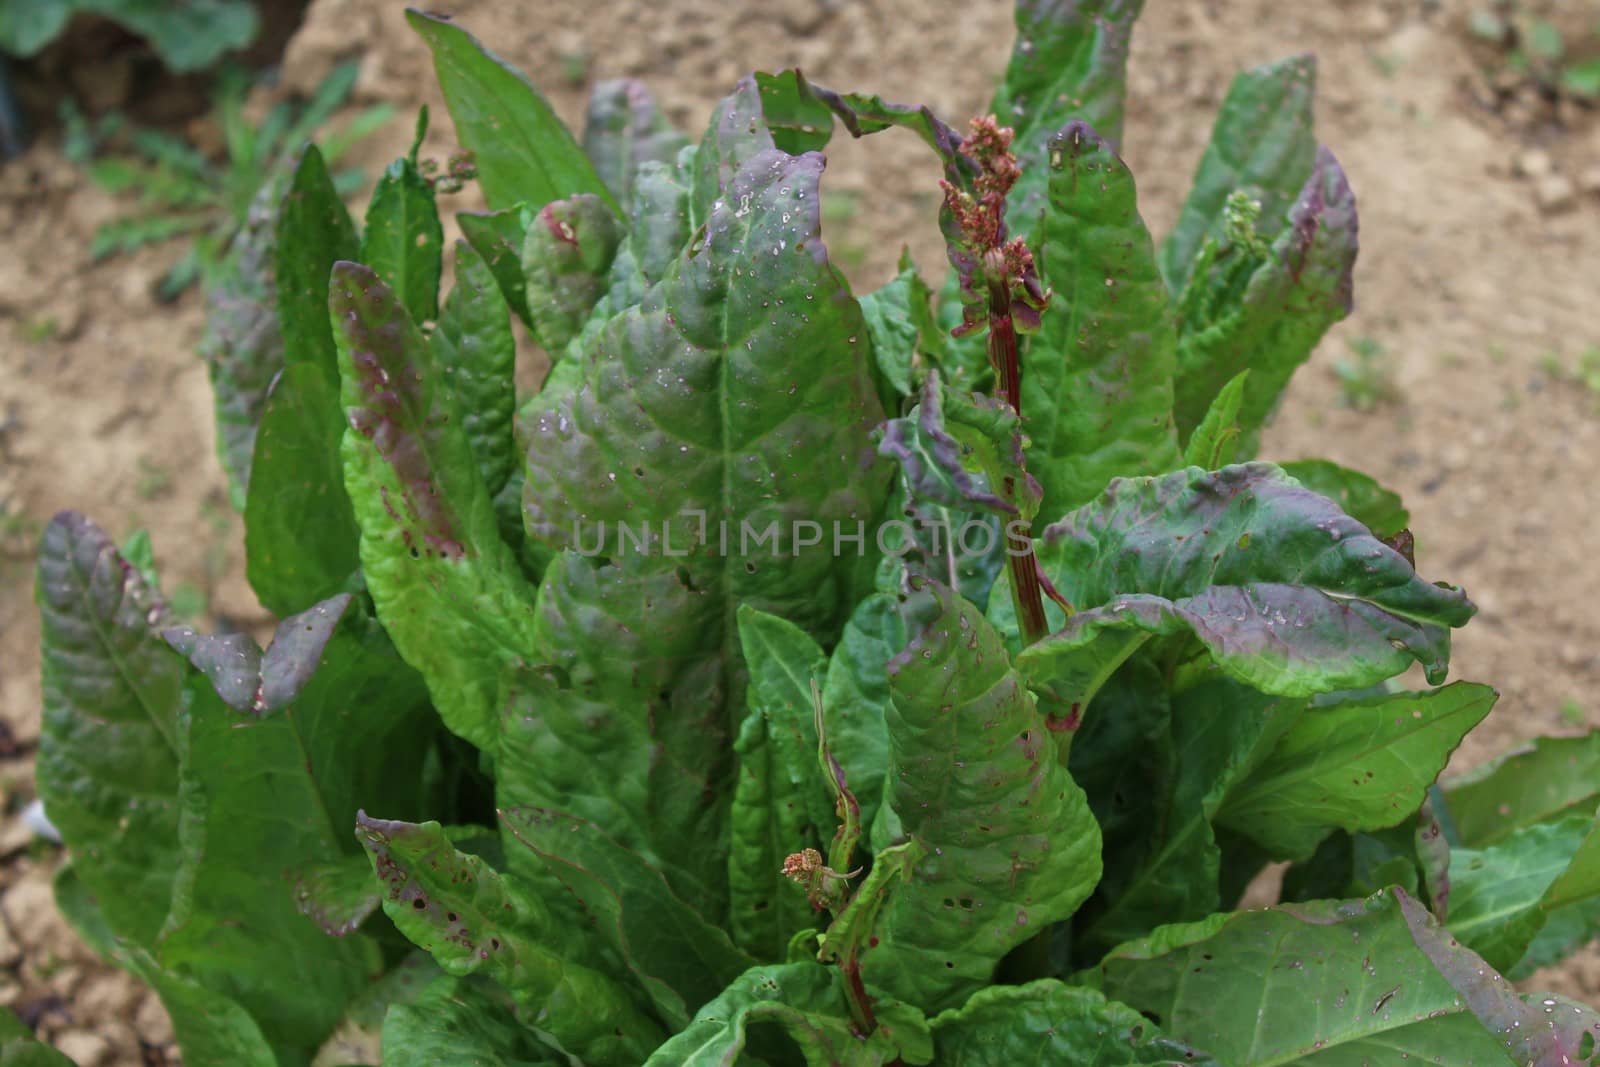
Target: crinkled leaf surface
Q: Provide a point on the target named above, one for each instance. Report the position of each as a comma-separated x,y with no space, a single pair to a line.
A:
1266,315
975,779
243,346
108,765
474,349
900,320
780,802
715,427
473,920
1069,63
446,586
1240,985
1097,378
1263,144
337,896
679,959
403,241
314,232
300,532
461,1021
566,257
1358,495
1355,765
1287,593
1046,1022
522,151
624,129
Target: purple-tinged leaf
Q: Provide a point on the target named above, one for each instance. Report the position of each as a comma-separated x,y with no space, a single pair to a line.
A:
1262,144
108,765
472,920
337,896
1069,63
566,258
624,129
446,586
243,345
1265,310
258,684
962,451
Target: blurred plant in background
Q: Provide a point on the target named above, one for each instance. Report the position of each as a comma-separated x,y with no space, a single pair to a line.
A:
184,193
187,36
1535,49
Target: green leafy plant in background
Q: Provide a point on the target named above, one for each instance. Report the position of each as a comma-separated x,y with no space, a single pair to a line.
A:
791,680
1537,49
184,194
187,35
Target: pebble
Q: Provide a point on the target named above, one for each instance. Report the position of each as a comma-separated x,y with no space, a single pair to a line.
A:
108,996
1589,180
1555,194
30,908
83,1047
152,1021
1535,163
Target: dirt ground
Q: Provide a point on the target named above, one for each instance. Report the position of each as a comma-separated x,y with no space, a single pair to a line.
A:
1476,291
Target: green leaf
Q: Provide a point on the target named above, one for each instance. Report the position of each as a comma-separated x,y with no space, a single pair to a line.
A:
855,698
1287,593
461,1021
1545,780
806,1001
19,1048
899,317
314,232
446,586
523,152
1215,440
780,802
475,921
26,26
1048,1022
1264,311
1358,495
300,531
403,242
242,345
338,895
210,1026
659,216
1069,64
1097,388
975,779
678,959
1167,867
1355,765
107,766
1261,143
474,349
1239,985
497,237
566,256
1498,894
707,429
625,129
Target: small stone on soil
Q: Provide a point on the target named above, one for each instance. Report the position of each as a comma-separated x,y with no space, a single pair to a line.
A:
1555,193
